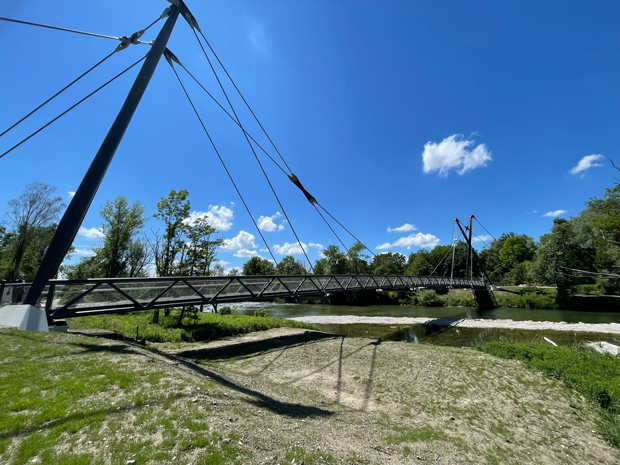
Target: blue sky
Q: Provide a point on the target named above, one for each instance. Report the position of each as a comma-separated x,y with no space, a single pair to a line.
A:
390,113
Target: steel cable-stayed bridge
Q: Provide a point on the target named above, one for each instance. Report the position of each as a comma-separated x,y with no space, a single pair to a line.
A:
66,299
74,298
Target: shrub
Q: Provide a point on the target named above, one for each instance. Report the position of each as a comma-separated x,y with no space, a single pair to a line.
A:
429,298
262,312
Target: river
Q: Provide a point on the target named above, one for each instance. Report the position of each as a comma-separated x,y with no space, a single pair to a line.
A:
450,336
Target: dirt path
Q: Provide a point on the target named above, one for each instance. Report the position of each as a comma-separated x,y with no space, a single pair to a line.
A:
608,328
283,396
392,402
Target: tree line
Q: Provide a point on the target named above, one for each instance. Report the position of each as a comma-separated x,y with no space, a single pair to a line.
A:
583,250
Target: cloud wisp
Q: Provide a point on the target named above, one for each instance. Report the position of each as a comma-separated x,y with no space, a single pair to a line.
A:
267,223
404,228
554,214
587,162
241,244
454,153
220,217
91,233
482,238
417,240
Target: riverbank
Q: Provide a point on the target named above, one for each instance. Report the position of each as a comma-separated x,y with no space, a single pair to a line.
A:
608,328
283,396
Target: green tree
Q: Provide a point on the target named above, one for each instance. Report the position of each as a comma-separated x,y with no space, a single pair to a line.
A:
200,251
289,266
30,217
258,266
419,263
356,261
121,224
515,250
392,263
172,211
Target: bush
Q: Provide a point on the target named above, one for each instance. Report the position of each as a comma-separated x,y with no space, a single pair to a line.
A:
596,376
262,313
207,326
228,311
429,298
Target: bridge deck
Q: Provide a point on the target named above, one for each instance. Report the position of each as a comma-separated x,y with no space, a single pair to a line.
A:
73,298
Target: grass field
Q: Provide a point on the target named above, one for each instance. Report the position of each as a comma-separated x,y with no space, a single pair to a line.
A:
205,327
282,395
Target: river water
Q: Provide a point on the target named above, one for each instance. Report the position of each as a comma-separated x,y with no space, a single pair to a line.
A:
450,336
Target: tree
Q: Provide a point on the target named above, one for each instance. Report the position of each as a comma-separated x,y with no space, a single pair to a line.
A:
289,266
198,254
516,249
36,208
173,211
388,263
356,262
121,224
419,263
258,266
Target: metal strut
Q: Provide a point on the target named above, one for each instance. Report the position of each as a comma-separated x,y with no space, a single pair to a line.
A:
84,195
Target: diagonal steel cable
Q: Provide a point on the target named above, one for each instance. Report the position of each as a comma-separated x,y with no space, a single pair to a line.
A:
58,93
223,163
71,107
255,155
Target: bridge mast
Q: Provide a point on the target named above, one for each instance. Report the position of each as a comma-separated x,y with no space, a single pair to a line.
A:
80,203
470,257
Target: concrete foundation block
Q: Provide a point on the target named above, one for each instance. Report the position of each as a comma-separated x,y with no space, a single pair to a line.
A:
24,317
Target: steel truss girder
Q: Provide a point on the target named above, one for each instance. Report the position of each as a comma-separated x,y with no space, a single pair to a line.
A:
98,296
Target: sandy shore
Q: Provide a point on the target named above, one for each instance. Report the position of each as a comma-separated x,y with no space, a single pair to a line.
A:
609,328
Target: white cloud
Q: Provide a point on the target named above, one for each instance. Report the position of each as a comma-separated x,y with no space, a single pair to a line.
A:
84,252
587,162
453,153
290,249
257,36
91,233
555,213
404,228
71,194
483,238
245,253
316,245
242,241
266,223
219,217
418,240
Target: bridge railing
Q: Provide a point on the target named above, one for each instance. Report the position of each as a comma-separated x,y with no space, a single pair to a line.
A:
72,298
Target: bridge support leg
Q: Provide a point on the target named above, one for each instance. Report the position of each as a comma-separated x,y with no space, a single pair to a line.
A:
85,193
483,299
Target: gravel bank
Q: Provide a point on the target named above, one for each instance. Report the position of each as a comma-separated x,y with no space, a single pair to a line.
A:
609,328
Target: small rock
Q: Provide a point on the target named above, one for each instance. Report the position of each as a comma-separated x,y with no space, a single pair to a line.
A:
130,462
452,418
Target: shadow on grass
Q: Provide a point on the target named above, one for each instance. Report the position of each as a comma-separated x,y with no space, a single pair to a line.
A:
256,398
255,348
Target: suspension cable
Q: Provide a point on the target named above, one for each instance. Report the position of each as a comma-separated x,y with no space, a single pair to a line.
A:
254,152
330,227
72,107
231,117
64,29
485,228
57,94
340,224
444,257
244,100
223,163
481,240
453,251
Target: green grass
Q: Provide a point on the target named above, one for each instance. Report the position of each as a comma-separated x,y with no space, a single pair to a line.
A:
596,376
207,326
59,389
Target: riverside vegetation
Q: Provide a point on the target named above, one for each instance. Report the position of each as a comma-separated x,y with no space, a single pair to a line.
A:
296,396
